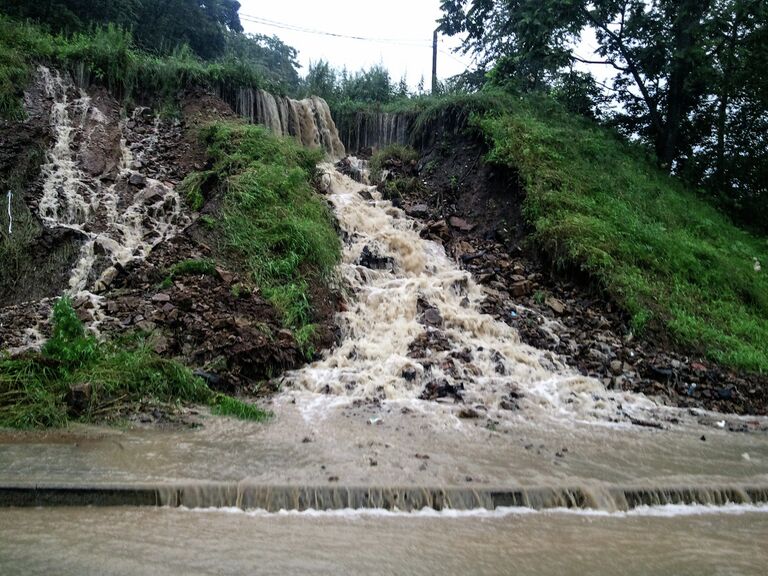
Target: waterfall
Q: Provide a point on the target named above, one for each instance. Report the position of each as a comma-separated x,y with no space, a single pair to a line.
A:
363,130
120,221
309,121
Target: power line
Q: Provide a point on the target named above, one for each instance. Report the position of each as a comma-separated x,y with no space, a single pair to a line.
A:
285,26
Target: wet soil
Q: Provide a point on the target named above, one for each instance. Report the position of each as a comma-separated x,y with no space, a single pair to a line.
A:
219,324
474,210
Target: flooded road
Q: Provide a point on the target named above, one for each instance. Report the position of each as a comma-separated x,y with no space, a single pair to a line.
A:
119,541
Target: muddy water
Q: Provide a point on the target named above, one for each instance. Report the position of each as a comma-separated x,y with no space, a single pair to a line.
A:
413,329
120,221
158,542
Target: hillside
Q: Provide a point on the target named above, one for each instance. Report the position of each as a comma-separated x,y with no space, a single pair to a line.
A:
592,211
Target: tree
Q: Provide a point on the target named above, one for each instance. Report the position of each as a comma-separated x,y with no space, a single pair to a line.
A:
321,81
160,26
277,60
689,74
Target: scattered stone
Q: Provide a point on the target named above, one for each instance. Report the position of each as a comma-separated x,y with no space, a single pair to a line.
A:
460,224
418,211
432,317
469,413
374,261
79,398
137,179
555,305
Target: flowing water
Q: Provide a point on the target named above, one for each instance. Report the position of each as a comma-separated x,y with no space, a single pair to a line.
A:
426,403
120,221
134,542
414,324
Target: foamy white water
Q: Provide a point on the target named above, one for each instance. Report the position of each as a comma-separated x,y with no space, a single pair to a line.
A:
419,294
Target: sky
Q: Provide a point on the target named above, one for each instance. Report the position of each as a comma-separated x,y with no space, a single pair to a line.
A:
399,34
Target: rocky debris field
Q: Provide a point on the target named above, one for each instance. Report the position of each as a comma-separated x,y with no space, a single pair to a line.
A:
473,209
209,315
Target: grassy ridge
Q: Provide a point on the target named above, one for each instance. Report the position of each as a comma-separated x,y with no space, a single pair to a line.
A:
270,219
668,257
109,56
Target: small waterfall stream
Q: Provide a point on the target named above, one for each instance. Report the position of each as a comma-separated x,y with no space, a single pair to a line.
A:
120,220
309,120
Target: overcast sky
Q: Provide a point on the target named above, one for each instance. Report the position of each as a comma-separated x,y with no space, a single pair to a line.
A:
399,34
410,22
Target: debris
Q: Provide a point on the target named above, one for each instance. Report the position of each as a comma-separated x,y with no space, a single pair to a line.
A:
555,305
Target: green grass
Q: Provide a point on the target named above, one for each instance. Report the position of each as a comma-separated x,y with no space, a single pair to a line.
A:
596,204
108,56
404,154
189,268
120,376
227,406
271,221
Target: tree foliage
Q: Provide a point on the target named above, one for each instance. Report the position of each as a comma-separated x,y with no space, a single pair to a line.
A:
371,85
159,26
689,75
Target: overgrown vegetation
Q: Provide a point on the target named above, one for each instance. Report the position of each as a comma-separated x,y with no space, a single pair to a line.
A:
393,152
271,221
109,56
669,258
77,378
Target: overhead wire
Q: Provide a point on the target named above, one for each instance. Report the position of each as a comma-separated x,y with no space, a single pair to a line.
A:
295,28
421,43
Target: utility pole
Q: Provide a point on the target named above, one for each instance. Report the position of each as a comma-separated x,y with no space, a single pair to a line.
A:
434,62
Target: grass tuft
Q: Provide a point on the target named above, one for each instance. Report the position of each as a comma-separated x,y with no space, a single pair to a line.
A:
397,152
112,378
227,406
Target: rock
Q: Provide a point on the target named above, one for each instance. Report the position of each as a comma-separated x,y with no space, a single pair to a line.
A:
226,276
365,194
555,305
213,380
137,179
79,398
418,211
374,261
617,367
161,297
432,317
469,413
725,393
442,389
160,344
521,288
596,354
409,374
93,162
460,224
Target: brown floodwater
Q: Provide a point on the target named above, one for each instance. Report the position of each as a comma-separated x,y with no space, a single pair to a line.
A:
123,541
